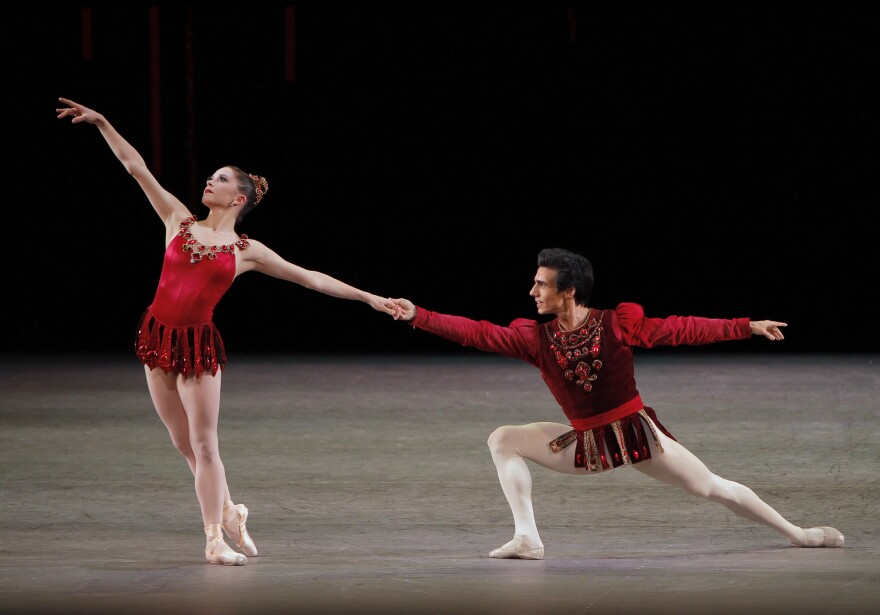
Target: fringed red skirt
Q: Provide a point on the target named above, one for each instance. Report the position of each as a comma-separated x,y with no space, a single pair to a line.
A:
618,443
189,350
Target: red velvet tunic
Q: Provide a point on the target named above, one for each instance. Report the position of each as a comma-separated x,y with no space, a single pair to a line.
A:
590,371
177,333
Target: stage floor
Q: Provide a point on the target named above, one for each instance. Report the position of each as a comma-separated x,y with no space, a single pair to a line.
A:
371,490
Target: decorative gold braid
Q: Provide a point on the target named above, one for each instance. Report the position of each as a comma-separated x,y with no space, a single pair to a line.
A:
563,441
591,451
621,442
653,429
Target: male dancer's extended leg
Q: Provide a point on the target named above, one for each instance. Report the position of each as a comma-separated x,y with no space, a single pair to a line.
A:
678,466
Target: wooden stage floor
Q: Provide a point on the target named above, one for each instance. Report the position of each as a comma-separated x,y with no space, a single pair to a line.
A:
371,490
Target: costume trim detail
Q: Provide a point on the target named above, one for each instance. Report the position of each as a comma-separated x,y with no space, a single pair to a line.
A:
187,350
197,250
618,443
580,348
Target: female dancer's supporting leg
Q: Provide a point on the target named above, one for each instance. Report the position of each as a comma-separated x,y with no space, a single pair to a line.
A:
194,434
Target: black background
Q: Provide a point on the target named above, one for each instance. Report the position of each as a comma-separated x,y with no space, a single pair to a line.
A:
708,162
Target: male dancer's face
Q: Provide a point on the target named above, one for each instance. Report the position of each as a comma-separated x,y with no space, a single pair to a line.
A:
548,300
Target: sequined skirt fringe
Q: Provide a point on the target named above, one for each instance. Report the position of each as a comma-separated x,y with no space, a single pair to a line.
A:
190,350
621,442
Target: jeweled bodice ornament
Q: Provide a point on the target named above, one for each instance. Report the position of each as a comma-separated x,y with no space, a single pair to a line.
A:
577,352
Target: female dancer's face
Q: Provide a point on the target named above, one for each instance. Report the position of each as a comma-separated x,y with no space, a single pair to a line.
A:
221,189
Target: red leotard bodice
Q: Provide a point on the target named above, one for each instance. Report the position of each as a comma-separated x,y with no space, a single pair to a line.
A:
193,281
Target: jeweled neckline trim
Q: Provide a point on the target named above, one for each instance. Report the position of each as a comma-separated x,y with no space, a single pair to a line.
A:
197,250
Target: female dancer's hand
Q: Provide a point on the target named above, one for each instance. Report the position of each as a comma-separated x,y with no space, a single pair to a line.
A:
78,113
383,304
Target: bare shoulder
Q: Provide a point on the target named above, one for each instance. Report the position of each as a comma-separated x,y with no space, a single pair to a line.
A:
255,249
179,218
260,257
257,255
177,223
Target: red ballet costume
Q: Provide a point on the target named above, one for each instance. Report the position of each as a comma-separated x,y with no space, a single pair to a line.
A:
590,370
177,333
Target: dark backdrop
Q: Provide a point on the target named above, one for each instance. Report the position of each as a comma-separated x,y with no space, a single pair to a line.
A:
713,162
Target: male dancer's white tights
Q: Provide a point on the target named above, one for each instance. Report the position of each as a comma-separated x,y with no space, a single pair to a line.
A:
511,446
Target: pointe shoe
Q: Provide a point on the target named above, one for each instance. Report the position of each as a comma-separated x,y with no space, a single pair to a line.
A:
234,518
217,551
822,537
515,549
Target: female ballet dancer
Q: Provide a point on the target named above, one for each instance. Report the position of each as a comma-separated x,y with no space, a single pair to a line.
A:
176,333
